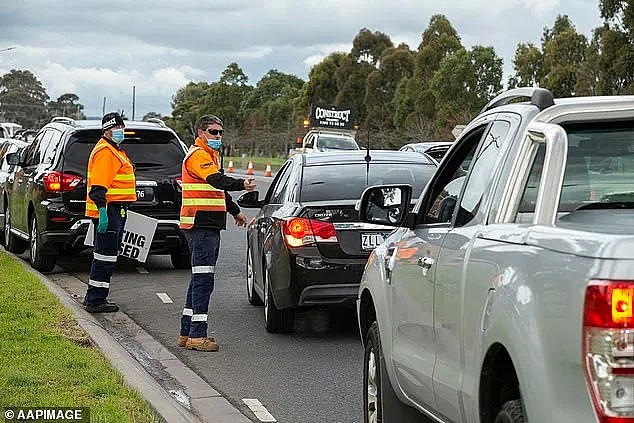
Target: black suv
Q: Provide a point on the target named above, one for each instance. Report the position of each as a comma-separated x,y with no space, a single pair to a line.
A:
45,198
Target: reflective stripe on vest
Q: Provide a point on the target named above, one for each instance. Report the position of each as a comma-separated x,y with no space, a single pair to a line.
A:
123,187
198,195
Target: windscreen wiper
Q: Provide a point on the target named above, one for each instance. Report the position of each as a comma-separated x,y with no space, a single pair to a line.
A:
604,205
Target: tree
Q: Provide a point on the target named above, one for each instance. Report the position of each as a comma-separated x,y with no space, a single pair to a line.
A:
233,75
368,46
528,66
186,108
564,52
152,115
23,99
66,105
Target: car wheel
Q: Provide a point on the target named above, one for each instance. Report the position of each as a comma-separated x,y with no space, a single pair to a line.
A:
372,377
12,243
180,260
511,412
39,261
252,296
275,320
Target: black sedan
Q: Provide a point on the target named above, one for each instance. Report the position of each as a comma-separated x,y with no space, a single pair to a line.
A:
306,246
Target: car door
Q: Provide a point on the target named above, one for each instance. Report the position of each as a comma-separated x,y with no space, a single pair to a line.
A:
411,274
263,220
24,181
449,278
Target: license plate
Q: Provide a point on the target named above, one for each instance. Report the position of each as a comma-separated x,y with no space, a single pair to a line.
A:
144,194
371,241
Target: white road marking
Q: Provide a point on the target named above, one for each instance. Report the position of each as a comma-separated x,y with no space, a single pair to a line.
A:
141,270
259,410
165,298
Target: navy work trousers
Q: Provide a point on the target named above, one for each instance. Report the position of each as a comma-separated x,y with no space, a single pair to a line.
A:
204,245
105,251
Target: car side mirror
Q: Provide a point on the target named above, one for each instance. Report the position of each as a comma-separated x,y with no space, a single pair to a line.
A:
385,205
250,200
13,159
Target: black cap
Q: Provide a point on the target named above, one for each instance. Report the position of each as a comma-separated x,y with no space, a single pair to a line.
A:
111,120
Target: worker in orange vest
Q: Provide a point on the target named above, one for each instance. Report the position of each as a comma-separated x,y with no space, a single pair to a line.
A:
111,187
203,215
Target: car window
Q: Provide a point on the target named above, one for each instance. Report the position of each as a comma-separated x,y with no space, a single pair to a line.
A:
32,155
149,149
481,172
347,181
446,190
336,143
48,153
276,190
599,168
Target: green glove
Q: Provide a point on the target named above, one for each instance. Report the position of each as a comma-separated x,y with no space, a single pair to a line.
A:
103,220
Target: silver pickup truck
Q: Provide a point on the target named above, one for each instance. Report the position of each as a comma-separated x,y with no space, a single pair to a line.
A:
506,293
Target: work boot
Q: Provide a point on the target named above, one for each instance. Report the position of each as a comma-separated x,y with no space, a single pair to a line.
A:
105,307
202,344
182,340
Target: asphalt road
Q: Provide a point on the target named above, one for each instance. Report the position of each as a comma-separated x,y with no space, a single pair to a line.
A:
312,375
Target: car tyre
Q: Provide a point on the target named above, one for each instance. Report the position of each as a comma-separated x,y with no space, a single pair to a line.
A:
252,295
275,320
12,243
39,261
180,260
380,403
511,412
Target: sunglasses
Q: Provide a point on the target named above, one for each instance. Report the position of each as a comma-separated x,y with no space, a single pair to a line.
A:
214,131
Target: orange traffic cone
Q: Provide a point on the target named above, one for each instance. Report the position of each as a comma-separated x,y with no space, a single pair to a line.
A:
250,170
267,172
230,167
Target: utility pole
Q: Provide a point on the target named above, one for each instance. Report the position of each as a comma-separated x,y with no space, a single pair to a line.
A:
103,108
133,99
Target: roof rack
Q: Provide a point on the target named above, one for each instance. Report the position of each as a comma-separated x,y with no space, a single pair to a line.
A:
64,119
540,97
158,121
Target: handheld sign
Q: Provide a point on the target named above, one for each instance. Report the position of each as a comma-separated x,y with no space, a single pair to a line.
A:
138,233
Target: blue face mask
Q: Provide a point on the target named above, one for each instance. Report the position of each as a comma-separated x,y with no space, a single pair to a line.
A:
214,144
117,135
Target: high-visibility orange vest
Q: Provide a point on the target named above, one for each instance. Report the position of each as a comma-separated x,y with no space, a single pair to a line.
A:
123,188
198,195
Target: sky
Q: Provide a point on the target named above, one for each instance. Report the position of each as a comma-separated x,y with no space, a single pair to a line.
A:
99,49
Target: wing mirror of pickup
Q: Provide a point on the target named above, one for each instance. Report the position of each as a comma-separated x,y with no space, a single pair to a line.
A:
385,205
13,159
250,200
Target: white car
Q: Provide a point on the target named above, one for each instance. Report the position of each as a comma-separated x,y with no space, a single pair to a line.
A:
320,141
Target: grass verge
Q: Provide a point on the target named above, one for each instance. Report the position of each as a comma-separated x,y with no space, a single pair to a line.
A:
259,163
46,359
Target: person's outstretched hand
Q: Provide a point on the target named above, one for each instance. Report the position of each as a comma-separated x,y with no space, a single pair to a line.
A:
249,185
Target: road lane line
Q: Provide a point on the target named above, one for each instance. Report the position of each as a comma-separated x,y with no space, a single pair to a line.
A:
165,298
141,270
259,410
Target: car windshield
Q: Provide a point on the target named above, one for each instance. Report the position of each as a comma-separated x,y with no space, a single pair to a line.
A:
347,181
336,143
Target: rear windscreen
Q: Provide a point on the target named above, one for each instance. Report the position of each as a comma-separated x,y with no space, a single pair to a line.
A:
148,149
347,181
336,143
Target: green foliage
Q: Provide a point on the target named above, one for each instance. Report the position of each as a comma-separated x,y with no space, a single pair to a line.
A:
66,105
23,99
368,46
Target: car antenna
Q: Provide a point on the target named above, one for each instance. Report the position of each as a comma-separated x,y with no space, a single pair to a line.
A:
367,160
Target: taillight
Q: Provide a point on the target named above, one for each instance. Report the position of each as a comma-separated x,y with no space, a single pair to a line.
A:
60,181
299,231
608,349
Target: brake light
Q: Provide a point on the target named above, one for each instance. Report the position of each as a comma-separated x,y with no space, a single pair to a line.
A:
60,181
299,231
608,349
